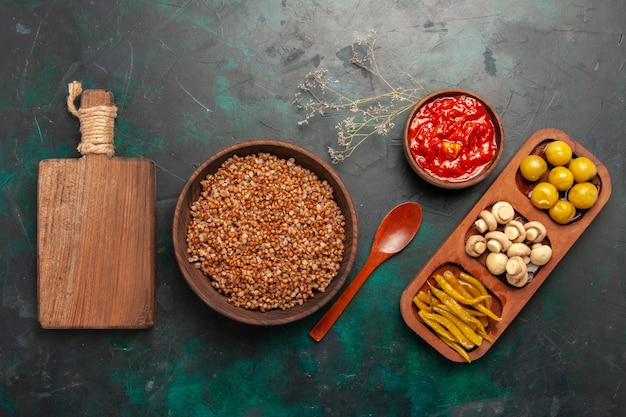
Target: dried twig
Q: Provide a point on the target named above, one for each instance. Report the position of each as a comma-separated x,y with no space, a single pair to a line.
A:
373,115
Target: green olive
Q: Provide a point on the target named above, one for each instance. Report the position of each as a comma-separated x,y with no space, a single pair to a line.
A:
533,167
583,195
558,153
544,195
561,177
583,169
562,212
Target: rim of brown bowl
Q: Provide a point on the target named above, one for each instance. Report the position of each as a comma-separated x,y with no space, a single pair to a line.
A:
201,284
452,184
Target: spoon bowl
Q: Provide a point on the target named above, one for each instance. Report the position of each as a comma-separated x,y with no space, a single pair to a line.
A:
398,228
394,233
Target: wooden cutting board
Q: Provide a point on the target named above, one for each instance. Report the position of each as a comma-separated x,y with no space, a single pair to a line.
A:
96,230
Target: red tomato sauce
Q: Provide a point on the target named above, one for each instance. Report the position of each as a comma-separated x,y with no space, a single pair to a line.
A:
453,138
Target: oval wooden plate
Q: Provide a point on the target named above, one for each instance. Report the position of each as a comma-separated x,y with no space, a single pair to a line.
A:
507,301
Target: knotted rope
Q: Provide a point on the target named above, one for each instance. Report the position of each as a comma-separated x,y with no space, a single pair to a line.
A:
96,124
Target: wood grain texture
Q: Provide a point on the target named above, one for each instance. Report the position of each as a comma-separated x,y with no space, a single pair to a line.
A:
507,301
96,235
96,241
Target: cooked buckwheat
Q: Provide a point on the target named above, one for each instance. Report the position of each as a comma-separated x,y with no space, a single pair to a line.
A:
266,231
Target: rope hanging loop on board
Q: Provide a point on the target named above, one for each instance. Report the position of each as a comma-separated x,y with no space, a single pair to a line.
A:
96,124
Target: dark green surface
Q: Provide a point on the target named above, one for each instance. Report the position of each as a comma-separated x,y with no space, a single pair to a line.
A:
191,77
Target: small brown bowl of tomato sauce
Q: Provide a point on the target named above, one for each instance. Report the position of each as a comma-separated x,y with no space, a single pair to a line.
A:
453,138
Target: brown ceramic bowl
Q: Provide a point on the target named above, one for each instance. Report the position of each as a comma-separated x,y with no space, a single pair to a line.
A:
449,181
201,284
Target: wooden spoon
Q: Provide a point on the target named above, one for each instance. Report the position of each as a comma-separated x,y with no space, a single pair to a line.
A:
394,233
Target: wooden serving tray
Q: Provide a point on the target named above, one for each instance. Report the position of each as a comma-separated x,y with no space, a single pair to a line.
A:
507,300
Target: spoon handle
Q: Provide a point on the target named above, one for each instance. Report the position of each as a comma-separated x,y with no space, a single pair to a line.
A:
332,314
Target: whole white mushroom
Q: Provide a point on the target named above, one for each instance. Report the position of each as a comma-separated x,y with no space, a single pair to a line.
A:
503,211
515,231
486,222
496,263
475,246
497,241
535,231
516,273
540,254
